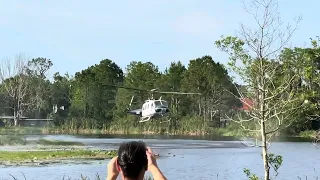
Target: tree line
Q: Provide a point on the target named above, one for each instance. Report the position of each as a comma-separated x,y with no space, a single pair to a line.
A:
88,99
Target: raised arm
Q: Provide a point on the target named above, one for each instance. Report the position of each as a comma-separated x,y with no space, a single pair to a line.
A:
112,169
153,167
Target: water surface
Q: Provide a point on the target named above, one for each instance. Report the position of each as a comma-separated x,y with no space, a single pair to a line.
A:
186,159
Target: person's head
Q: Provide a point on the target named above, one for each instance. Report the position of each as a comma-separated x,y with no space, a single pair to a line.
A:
132,159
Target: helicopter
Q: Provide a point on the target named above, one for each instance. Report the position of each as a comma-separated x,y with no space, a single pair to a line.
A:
152,108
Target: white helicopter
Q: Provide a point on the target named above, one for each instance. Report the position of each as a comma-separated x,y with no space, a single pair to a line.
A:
153,108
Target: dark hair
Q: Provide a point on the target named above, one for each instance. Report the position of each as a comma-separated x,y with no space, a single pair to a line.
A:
132,158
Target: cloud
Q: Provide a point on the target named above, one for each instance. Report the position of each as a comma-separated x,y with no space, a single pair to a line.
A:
197,23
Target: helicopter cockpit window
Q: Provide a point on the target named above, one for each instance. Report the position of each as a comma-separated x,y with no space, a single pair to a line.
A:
160,103
164,103
157,103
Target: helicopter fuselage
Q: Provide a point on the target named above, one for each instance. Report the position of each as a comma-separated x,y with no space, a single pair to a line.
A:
151,109
154,108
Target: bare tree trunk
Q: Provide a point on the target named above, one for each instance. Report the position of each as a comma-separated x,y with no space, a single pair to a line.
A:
15,120
262,104
265,152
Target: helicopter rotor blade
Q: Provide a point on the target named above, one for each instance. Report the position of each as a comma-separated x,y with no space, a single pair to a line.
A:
178,93
122,87
131,101
155,90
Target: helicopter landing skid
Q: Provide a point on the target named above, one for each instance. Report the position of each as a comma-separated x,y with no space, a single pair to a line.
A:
145,119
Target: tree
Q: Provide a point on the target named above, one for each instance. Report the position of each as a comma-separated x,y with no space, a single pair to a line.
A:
16,84
304,62
60,94
145,76
37,72
257,51
91,97
39,67
210,79
171,81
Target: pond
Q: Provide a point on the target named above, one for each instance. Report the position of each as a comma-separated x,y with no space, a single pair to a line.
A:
218,159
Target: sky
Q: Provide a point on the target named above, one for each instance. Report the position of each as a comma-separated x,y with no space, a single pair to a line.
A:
76,34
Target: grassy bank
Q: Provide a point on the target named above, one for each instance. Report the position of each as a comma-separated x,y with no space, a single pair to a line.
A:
12,140
32,156
98,177
18,139
110,130
82,177
307,134
230,131
58,143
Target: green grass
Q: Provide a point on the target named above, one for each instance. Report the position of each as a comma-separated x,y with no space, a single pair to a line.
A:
20,140
21,156
12,140
113,130
307,134
151,129
20,130
81,177
59,143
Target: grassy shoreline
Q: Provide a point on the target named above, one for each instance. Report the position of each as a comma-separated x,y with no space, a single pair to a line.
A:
22,156
57,130
82,177
47,157
16,150
12,140
222,132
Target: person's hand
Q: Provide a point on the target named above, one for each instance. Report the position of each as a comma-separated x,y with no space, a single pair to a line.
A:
112,169
151,159
153,167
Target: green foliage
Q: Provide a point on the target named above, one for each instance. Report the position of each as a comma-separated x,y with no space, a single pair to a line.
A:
60,97
82,177
250,175
172,81
240,59
90,97
23,156
211,79
12,140
272,83
275,161
58,143
36,70
305,63
138,75
294,75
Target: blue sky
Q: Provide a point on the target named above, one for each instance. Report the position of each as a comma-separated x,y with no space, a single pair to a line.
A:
76,34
